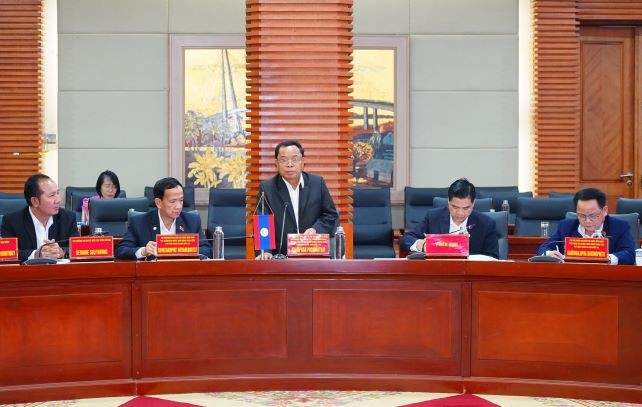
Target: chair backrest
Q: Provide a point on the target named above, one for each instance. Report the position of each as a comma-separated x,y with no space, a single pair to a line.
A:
417,202
629,205
532,211
189,200
501,230
112,214
481,204
9,205
72,203
372,219
633,219
499,194
554,194
11,195
227,209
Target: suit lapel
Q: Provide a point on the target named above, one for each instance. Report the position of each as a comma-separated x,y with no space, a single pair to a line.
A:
30,229
285,197
444,223
154,221
54,230
304,193
180,225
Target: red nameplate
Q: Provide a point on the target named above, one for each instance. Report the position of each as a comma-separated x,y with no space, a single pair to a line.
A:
8,249
180,245
300,245
586,249
91,247
449,245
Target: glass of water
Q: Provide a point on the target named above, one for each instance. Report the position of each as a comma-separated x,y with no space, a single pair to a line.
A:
544,228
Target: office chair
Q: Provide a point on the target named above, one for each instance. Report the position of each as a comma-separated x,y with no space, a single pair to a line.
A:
629,205
500,194
112,214
501,229
226,208
481,204
532,211
372,219
9,205
417,202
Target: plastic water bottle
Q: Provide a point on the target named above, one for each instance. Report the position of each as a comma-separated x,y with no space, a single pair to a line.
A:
340,244
219,245
506,208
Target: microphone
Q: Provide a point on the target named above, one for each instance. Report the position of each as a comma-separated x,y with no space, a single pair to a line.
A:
279,255
43,260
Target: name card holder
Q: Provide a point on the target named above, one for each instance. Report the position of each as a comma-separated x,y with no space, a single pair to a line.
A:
8,250
86,248
300,245
586,249
446,246
182,245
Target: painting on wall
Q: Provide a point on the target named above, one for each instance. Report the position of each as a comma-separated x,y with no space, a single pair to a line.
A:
214,116
373,117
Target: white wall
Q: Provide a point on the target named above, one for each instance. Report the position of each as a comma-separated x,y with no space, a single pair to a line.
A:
113,84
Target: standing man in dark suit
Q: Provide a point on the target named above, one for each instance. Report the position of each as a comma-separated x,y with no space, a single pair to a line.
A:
593,220
458,216
43,223
303,198
139,241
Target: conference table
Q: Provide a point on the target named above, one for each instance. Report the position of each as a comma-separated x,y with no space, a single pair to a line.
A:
125,328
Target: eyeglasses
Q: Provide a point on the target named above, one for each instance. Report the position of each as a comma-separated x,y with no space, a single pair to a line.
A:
286,161
109,186
590,217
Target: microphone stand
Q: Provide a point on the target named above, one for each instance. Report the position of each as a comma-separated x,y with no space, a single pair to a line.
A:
279,255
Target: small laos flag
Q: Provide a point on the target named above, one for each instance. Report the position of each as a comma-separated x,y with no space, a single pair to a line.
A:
264,232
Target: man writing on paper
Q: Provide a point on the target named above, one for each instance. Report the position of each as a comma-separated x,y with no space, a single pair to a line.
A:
140,239
42,223
593,220
300,201
457,217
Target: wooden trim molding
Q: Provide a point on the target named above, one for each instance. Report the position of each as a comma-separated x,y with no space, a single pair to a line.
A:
21,91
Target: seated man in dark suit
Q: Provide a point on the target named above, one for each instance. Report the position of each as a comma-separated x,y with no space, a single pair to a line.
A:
457,216
303,198
43,224
140,239
593,220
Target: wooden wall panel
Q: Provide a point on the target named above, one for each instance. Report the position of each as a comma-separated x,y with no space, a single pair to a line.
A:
609,10
556,95
299,78
21,104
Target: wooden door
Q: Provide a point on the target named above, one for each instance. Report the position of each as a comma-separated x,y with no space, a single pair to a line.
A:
608,130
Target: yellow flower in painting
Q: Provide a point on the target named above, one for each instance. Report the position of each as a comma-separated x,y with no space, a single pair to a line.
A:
235,170
361,152
202,169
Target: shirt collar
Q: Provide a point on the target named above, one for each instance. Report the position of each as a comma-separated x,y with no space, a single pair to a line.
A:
163,229
301,183
37,222
454,227
582,231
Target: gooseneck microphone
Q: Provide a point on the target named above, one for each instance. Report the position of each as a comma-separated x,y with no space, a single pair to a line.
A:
279,255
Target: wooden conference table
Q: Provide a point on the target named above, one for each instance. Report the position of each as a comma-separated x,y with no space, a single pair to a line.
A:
124,328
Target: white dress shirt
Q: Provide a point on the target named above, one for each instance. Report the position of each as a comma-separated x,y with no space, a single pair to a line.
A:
294,198
42,231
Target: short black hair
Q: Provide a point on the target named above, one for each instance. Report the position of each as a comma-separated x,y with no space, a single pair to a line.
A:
462,188
588,194
288,143
165,183
101,180
32,186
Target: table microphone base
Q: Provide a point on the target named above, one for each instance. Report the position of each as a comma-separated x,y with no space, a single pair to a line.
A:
279,256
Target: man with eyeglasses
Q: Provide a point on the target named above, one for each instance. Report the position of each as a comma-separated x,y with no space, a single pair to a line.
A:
593,220
458,217
301,197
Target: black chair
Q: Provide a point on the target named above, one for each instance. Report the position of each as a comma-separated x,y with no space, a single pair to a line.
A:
75,196
112,214
417,202
372,219
9,205
501,194
11,195
633,219
481,204
532,211
227,209
629,205
501,229
189,200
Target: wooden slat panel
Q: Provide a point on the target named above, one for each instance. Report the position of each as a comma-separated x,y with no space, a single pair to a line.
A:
556,95
299,78
21,104
619,10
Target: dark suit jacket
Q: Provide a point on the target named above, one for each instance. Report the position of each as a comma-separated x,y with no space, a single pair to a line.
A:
483,239
19,224
143,228
617,231
316,208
